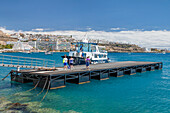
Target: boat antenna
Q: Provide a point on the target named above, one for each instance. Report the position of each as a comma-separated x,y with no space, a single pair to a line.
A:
85,35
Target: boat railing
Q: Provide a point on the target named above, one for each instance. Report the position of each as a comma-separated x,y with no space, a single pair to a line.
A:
19,61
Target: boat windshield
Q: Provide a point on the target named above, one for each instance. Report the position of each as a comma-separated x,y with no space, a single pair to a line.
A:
102,49
85,47
93,48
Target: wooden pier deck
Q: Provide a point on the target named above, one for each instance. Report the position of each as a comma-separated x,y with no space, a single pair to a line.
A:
58,78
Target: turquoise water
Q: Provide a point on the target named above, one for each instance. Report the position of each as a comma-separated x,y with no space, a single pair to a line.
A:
143,92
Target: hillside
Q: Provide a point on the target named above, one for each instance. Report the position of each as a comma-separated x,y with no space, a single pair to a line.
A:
5,37
117,47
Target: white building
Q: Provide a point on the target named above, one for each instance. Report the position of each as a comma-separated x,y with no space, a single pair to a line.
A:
22,46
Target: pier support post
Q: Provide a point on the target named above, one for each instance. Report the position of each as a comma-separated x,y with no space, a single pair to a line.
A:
131,71
159,66
118,73
104,75
80,78
57,82
83,78
101,75
15,76
141,70
41,82
151,68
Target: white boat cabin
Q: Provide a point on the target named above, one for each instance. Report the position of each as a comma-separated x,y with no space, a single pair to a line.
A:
83,49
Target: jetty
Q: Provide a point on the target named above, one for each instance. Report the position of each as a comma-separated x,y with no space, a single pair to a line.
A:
57,78
43,73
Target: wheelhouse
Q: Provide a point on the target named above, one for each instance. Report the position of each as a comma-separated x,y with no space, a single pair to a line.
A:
81,50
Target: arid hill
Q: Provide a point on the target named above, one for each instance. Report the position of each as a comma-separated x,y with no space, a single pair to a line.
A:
5,37
117,47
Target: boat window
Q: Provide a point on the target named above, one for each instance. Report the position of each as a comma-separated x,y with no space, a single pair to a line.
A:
89,47
96,56
85,47
102,49
93,49
84,55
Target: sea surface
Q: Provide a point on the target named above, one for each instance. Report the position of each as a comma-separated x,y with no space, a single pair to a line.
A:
147,92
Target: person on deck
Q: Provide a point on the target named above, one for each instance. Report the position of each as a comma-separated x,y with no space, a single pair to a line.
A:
81,47
65,60
76,47
87,62
82,55
71,63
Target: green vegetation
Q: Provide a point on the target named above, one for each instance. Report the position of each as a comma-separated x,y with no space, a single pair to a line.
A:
8,46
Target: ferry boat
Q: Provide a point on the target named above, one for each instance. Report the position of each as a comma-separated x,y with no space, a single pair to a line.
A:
84,49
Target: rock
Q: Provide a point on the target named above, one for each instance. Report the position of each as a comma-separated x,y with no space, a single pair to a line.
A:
33,106
20,99
12,111
23,94
47,110
16,107
9,107
4,103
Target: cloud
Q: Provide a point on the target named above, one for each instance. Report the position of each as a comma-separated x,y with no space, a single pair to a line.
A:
115,29
157,39
40,29
88,28
6,31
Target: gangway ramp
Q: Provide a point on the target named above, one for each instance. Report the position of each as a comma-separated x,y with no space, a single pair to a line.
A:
25,62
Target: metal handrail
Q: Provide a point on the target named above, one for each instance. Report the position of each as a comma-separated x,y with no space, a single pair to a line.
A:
26,57
26,61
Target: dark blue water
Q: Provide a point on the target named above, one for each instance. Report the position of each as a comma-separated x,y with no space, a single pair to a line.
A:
143,92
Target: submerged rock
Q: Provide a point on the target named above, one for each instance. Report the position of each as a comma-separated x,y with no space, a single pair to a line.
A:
29,107
9,107
25,93
33,106
20,99
47,110
4,103
17,106
6,90
12,111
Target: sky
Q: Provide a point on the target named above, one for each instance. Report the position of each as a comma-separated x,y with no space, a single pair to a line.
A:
111,17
